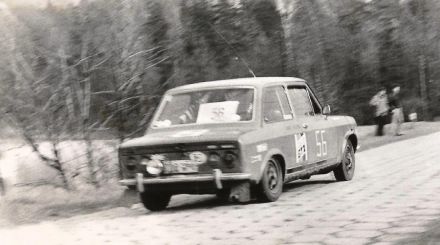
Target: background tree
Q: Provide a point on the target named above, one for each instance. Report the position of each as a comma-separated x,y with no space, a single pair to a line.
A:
99,68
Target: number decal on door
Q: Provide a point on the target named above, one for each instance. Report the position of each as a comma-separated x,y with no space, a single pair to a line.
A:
321,143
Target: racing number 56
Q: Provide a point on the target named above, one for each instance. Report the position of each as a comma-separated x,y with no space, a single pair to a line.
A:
321,143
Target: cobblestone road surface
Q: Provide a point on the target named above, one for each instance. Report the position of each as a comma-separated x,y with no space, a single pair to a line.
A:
394,195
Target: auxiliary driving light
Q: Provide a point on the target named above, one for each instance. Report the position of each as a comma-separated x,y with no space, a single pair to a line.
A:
214,158
153,166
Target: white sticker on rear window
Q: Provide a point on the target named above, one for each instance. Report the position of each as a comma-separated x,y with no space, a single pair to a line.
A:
218,112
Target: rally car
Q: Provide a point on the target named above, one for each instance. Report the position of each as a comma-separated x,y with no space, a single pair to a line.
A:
240,139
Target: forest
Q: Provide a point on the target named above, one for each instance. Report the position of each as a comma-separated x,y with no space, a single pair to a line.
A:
102,65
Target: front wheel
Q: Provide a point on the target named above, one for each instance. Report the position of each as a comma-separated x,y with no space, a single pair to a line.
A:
155,201
271,183
345,170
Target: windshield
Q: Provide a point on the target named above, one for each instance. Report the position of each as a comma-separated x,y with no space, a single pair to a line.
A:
206,106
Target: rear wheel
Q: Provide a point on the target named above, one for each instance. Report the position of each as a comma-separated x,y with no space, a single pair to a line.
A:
155,201
345,170
271,184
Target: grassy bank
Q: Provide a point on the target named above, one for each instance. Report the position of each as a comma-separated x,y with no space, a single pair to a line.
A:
34,204
368,140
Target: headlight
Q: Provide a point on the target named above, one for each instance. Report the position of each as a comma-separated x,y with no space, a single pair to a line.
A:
153,166
198,157
229,158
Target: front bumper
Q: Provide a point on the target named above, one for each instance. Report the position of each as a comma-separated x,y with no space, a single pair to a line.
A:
217,177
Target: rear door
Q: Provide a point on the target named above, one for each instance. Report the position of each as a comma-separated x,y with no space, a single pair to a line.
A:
278,121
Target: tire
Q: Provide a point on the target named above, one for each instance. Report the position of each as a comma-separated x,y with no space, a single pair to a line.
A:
271,183
155,201
345,170
223,195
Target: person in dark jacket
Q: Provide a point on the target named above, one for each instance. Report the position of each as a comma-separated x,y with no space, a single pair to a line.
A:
380,102
190,114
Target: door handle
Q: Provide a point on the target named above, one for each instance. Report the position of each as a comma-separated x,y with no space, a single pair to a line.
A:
304,125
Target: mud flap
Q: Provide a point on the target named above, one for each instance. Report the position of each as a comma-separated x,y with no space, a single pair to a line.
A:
140,182
241,192
217,178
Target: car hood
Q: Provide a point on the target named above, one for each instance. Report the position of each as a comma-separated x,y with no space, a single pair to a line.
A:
178,136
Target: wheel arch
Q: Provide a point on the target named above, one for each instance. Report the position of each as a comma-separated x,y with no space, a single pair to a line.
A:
348,136
277,155
354,141
282,162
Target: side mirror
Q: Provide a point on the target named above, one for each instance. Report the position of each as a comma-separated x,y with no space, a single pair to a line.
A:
326,111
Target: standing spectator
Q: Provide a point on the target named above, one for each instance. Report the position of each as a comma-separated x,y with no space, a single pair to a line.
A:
2,181
380,101
2,186
397,113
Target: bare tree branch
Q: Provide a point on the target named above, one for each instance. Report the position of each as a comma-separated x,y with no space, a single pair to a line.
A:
143,52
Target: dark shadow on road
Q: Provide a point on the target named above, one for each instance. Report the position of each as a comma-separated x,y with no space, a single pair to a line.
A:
213,201
430,236
303,183
128,198
205,203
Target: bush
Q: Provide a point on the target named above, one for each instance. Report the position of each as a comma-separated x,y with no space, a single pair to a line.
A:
35,203
411,105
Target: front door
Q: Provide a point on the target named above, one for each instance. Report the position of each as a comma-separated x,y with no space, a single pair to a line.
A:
325,132
313,138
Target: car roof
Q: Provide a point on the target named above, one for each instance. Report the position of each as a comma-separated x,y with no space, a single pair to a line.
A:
248,81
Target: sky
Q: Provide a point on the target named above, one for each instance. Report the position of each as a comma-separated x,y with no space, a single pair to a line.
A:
37,3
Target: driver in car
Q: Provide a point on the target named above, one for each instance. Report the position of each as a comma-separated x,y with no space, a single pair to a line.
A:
190,114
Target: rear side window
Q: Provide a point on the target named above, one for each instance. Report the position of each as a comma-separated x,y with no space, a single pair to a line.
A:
300,101
275,105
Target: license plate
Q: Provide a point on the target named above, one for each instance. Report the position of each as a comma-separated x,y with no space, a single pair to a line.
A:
180,166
